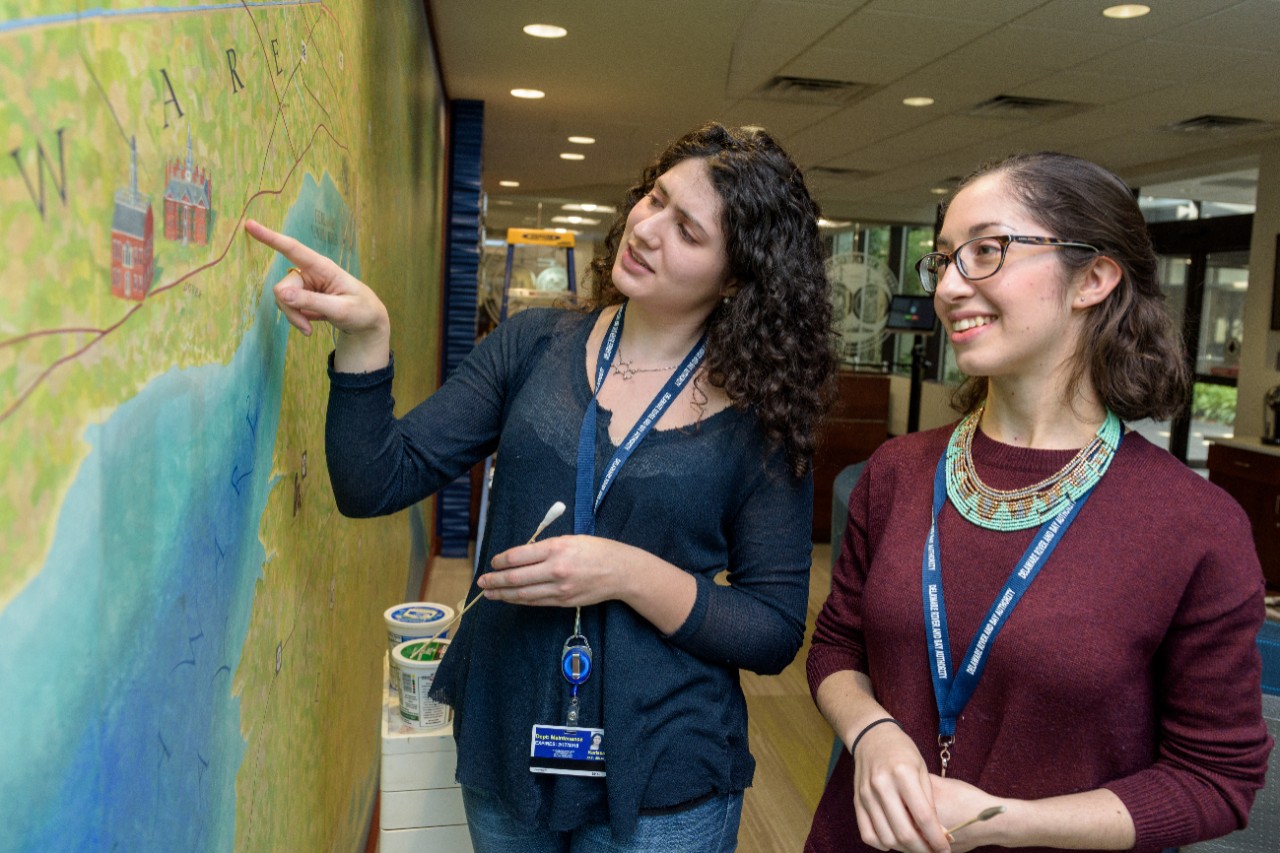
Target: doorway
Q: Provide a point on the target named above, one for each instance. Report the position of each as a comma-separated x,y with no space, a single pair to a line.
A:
1204,270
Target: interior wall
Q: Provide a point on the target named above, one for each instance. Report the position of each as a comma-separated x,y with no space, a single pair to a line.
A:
1261,345
935,404
191,635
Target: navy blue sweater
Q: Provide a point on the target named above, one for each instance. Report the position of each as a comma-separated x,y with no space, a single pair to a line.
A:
711,498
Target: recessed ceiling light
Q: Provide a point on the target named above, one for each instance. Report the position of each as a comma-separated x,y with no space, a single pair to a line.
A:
529,93
921,101
569,155
1126,10
939,190
582,140
832,223
508,183
505,202
545,31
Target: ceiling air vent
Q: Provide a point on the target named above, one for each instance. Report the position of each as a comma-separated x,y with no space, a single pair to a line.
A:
1219,126
1017,107
813,90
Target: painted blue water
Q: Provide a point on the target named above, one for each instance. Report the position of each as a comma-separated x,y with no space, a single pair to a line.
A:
118,730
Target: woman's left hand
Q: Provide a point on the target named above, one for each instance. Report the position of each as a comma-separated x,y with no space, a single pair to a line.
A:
574,571
564,571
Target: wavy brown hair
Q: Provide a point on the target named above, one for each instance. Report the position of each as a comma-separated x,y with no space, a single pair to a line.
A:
771,345
1129,347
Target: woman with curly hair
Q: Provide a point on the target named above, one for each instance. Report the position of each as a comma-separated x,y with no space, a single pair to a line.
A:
595,685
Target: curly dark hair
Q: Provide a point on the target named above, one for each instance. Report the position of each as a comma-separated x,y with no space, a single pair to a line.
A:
771,346
1129,347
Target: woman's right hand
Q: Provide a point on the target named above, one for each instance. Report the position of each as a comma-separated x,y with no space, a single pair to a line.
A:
318,289
893,795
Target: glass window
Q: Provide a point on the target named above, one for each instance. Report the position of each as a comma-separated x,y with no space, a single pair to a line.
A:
917,241
868,264
1222,318
1156,209
1204,197
1173,281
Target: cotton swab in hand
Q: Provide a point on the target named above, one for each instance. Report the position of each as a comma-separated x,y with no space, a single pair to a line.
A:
557,510
985,814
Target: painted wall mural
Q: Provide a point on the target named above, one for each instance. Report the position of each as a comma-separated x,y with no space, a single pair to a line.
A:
190,634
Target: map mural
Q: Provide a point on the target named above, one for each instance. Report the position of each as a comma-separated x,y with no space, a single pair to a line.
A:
191,636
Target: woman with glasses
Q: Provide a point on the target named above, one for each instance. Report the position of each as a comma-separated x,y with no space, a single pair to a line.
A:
1040,632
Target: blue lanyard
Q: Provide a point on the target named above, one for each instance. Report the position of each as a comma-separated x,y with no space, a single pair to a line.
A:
952,689
584,508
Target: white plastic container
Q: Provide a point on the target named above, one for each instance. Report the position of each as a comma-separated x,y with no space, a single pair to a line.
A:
411,620
417,709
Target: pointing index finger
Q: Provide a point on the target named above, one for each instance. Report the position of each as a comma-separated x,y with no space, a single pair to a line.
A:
297,253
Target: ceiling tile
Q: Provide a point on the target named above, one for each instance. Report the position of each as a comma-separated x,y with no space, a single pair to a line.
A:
1073,16
987,12
1087,87
793,23
1253,24
915,35
1172,62
781,119
1047,48
921,142
860,66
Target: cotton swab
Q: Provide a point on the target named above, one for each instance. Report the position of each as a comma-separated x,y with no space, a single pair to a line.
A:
429,650
985,814
557,510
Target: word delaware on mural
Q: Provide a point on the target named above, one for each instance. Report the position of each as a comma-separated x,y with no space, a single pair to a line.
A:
191,652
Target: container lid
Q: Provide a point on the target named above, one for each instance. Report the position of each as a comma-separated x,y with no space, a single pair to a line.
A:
418,613
406,653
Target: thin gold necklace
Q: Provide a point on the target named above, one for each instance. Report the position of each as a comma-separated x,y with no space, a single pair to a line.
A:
625,369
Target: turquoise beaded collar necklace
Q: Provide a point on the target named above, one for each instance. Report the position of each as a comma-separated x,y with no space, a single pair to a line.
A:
1031,506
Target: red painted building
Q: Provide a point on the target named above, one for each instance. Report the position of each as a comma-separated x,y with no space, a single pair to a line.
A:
188,201
132,244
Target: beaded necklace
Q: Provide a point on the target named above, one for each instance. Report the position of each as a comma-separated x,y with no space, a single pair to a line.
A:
1018,509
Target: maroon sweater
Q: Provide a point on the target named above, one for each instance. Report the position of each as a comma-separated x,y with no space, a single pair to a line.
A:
1129,664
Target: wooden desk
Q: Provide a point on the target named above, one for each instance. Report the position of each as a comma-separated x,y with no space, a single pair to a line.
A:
1250,472
857,423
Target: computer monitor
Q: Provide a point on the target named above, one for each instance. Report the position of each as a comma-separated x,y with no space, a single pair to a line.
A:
911,315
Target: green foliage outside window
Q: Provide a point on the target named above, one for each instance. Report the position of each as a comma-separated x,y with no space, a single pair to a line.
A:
1214,403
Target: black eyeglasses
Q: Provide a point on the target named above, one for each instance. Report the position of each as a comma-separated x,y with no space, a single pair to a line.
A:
982,257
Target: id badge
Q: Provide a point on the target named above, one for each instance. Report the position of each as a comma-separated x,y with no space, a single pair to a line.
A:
567,751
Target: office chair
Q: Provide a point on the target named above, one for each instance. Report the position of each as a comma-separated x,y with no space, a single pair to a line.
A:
840,491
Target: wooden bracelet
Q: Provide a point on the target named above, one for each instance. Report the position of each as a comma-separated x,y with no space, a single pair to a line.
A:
871,725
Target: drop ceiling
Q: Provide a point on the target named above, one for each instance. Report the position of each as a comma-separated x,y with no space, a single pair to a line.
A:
1157,98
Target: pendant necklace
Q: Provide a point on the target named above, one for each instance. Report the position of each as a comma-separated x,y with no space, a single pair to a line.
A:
625,368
